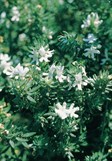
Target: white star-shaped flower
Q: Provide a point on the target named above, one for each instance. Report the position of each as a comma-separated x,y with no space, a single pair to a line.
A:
90,52
4,57
72,110
79,82
90,38
5,63
63,112
45,54
59,73
41,55
18,71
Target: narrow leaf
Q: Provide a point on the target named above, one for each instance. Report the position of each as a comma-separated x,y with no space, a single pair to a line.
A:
31,99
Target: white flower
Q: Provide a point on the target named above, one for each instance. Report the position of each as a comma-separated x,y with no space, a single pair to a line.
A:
2,17
72,110
92,18
16,14
3,14
5,66
47,32
83,71
35,56
63,112
79,82
6,132
97,22
59,73
70,1
45,54
90,38
22,37
50,74
90,52
1,126
42,55
4,57
61,2
18,71
51,71
78,79
44,29
86,23
106,58
4,63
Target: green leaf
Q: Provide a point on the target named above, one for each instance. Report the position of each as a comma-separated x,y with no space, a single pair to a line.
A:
28,134
12,143
21,139
31,99
34,89
25,145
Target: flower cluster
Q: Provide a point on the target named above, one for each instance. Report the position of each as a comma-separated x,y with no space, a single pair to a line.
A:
63,112
92,19
92,48
42,55
55,80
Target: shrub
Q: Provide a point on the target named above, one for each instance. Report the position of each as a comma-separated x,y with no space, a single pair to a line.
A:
56,80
